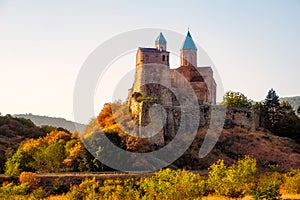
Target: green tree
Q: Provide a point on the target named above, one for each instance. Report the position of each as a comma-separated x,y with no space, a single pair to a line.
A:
49,158
271,102
288,124
19,162
236,99
171,184
271,108
258,106
236,180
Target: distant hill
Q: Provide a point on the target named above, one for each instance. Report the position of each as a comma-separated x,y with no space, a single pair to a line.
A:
53,121
294,101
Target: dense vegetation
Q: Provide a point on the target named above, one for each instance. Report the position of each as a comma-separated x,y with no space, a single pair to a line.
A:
58,151
237,180
279,116
15,130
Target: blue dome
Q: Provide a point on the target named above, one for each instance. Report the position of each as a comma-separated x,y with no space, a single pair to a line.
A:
188,42
161,38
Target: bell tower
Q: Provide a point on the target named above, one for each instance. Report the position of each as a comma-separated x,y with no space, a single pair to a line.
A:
188,52
161,42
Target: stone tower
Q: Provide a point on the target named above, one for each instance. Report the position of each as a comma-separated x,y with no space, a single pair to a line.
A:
152,74
161,42
188,52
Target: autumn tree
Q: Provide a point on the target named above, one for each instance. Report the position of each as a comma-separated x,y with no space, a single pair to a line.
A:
236,99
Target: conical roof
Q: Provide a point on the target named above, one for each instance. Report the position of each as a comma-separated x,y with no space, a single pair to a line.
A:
161,38
188,42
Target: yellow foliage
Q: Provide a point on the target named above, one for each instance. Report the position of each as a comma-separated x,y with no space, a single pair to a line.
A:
31,145
76,150
55,136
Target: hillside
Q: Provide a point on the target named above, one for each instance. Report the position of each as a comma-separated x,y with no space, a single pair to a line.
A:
15,130
53,121
269,150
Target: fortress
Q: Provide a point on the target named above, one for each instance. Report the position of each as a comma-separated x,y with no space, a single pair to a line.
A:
160,96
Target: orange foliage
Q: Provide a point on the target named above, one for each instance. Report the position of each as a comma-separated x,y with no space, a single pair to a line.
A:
55,136
105,118
29,178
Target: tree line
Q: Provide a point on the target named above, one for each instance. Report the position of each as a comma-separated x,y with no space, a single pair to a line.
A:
279,117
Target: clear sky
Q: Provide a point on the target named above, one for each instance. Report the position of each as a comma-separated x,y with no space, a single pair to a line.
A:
254,44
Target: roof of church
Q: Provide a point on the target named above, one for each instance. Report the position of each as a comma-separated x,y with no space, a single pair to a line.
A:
160,38
149,49
188,42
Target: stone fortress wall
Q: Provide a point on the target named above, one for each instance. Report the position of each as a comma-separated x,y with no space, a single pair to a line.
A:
169,118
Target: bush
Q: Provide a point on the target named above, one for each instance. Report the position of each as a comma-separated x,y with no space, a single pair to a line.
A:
38,194
236,180
9,190
141,99
292,182
29,178
59,188
75,193
117,189
268,191
88,189
268,186
171,184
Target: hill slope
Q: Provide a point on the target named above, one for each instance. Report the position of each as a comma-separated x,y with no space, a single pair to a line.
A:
269,150
53,121
13,131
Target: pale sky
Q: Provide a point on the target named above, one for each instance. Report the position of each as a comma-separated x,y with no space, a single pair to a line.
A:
255,45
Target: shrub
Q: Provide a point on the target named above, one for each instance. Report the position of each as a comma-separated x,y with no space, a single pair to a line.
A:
38,194
75,193
88,189
171,184
59,188
29,178
9,190
269,191
268,186
236,180
117,189
141,99
292,182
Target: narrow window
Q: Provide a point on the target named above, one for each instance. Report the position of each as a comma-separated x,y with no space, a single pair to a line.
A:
163,58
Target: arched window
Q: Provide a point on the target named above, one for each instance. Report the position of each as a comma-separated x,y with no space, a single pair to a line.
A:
185,61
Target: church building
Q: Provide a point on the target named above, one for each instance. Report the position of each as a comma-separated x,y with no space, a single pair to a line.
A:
153,64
